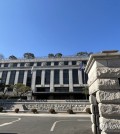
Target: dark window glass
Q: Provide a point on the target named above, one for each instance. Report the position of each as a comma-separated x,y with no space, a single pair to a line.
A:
66,76
22,64
6,65
47,76
29,78
56,63
43,89
84,77
21,76
65,62
4,76
38,77
12,77
73,62
14,64
61,89
38,63
0,64
56,76
75,76
31,63
78,89
48,63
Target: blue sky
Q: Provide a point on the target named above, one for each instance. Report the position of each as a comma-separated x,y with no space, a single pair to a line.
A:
51,26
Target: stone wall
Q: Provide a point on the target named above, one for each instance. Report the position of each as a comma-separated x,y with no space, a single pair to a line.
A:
44,106
104,89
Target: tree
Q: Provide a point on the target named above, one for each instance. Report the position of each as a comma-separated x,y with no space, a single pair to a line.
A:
12,57
20,89
2,89
29,56
86,92
58,55
50,55
1,57
84,54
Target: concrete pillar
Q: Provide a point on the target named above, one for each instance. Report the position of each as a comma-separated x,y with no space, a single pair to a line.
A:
0,74
52,81
80,76
43,78
8,77
16,77
25,77
33,80
61,77
70,81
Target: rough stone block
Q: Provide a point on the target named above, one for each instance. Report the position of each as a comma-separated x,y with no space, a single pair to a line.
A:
105,72
92,100
102,84
109,125
111,96
109,110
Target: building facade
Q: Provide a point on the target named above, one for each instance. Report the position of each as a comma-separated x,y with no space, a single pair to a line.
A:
49,78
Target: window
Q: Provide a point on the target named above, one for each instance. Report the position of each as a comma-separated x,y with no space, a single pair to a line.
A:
14,64
47,76
22,64
56,63
61,89
66,76
38,77
73,62
29,78
12,77
56,76
65,62
75,76
6,65
31,63
43,89
21,76
38,63
48,63
4,76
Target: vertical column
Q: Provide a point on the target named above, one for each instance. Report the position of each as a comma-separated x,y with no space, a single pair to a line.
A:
70,81
16,77
0,74
43,78
61,77
33,80
52,81
80,76
8,78
25,77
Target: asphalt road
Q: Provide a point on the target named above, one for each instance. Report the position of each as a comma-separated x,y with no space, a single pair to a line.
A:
44,125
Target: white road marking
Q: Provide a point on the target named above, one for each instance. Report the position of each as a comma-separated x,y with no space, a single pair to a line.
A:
8,123
54,124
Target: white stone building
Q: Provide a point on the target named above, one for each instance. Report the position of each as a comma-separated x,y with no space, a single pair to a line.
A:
49,78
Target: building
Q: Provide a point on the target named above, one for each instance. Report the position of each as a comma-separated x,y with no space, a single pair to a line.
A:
49,78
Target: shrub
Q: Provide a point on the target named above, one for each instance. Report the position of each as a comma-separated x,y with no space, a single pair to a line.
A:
70,111
52,111
16,110
34,111
1,109
88,110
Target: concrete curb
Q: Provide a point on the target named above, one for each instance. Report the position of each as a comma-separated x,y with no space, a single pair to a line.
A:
45,115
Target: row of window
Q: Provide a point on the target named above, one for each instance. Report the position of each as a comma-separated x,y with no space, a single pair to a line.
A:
47,77
39,63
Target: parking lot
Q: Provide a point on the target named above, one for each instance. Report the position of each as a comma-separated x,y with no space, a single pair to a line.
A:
44,125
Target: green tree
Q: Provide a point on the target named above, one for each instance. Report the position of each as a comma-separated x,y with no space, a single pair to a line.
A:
50,55
58,55
84,54
1,57
12,57
86,92
29,56
20,89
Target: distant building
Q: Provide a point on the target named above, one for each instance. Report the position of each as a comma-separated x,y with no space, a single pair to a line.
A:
49,78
